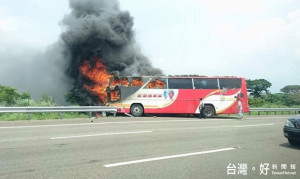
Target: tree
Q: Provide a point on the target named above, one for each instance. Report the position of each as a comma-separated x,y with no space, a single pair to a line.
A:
71,98
290,89
256,102
258,86
46,101
8,95
25,100
296,98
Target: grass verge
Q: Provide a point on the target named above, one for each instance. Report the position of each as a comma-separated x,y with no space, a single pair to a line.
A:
40,116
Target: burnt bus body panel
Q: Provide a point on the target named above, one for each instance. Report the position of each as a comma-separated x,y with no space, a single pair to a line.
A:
128,91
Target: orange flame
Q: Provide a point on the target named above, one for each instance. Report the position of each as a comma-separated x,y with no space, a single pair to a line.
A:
114,95
99,76
122,81
137,82
156,84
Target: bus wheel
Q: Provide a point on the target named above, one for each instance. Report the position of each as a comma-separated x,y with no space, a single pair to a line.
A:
209,111
136,110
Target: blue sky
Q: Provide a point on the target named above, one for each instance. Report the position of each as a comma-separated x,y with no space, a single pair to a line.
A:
255,39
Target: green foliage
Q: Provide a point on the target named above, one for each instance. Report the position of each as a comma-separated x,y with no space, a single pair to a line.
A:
8,95
46,101
255,102
291,89
277,100
11,97
40,116
71,98
24,95
258,86
296,98
25,102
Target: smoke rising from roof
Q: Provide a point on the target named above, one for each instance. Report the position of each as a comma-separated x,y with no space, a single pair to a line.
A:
98,29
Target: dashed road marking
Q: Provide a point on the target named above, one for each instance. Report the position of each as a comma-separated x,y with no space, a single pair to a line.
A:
168,157
104,134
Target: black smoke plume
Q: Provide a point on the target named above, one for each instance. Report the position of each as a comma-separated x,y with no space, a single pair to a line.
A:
99,29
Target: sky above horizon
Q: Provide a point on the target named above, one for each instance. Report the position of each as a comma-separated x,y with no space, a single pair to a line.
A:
255,39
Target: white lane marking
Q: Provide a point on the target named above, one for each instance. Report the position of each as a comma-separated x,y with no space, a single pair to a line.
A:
129,122
105,123
268,117
167,157
257,125
214,127
104,134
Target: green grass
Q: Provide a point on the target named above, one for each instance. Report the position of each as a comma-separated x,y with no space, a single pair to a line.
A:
40,116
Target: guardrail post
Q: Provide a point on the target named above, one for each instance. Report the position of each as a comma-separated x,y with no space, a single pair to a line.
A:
28,116
90,113
61,115
104,114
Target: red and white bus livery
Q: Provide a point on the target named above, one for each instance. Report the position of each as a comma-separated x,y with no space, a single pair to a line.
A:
177,95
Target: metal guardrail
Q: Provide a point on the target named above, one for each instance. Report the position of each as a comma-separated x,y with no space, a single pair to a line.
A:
60,109
113,110
275,110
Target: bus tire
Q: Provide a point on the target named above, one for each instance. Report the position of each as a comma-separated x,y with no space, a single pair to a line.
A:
136,110
209,111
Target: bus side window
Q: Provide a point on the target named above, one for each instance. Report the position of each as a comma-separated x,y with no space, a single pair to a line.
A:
157,84
230,83
180,83
206,83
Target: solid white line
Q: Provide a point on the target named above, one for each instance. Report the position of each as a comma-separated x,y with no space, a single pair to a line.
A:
167,157
105,123
105,134
266,117
258,125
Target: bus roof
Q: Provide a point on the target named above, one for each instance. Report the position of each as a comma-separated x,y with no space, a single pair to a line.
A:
180,77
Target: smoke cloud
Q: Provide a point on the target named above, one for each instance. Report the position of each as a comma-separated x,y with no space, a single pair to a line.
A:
99,29
93,29
35,72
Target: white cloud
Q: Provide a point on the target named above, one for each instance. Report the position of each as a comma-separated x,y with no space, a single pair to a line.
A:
30,23
259,34
270,48
236,6
223,33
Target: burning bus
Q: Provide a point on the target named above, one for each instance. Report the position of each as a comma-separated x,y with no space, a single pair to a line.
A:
164,94
177,95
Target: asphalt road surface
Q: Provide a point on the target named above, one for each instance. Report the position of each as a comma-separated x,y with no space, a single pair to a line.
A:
148,147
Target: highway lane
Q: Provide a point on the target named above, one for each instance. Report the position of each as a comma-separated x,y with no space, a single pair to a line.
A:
161,147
